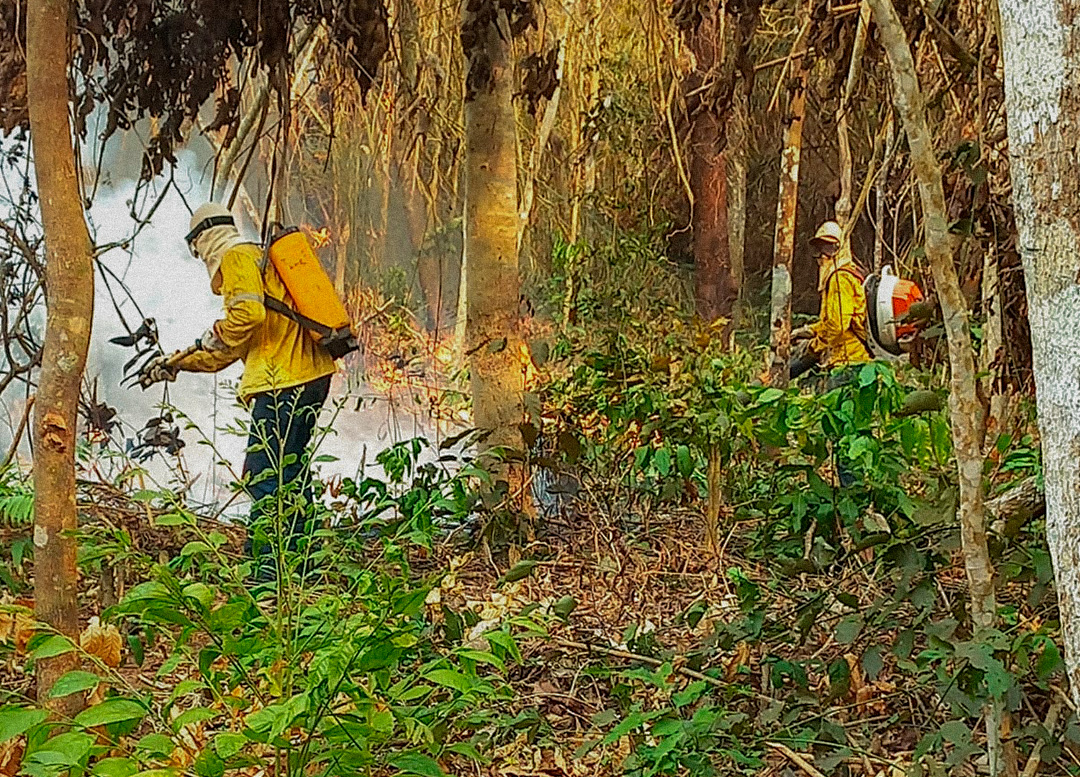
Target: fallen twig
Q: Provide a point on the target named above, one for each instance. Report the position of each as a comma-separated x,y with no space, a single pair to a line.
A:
1033,761
795,758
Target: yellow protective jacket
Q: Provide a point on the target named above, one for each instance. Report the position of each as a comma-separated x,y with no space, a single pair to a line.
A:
277,352
841,330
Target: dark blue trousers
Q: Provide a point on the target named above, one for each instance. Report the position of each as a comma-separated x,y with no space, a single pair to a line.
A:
276,471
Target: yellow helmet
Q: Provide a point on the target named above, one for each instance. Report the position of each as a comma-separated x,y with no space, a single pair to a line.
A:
829,232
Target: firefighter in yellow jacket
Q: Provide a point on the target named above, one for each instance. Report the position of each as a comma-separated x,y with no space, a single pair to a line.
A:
285,383
838,338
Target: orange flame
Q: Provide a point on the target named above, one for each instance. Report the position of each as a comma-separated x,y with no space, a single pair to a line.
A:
528,368
320,238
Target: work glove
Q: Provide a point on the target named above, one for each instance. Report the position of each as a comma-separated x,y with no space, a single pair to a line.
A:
802,333
157,370
210,341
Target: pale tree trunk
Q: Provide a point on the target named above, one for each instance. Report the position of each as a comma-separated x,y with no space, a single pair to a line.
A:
491,220
966,413
70,308
714,288
843,204
880,187
784,241
1041,47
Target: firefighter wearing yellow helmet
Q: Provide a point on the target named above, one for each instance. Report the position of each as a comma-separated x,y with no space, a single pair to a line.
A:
839,336
286,376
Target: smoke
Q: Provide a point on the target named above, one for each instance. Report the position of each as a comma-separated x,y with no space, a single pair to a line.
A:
154,275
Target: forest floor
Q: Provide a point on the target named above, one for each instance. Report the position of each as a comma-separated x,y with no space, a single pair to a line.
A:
638,614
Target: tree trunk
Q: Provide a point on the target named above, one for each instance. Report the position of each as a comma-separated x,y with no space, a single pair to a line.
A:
843,204
491,221
989,357
784,245
70,308
737,157
715,290
966,413
880,187
1041,46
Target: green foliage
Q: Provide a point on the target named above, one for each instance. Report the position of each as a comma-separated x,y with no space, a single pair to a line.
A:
337,668
652,407
16,512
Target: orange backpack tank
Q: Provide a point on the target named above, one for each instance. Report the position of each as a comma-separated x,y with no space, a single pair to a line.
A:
319,309
888,299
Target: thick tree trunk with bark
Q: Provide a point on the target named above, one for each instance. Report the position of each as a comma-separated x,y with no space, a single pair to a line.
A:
491,223
965,411
738,135
784,242
70,305
715,290
714,285
1041,46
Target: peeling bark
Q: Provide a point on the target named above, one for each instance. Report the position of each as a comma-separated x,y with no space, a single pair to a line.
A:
784,242
1041,47
70,307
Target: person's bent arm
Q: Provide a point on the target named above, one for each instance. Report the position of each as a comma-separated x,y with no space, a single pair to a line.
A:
242,289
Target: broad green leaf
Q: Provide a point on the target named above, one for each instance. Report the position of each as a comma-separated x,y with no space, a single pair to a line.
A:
630,723
148,590
201,593
56,645
115,767
209,764
228,744
872,661
956,732
185,687
110,711
74,682
417,764
413,693
683,461
157,743
848,629
15,721
662,461
1049,661
770,395
67,749
483,657
450,679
